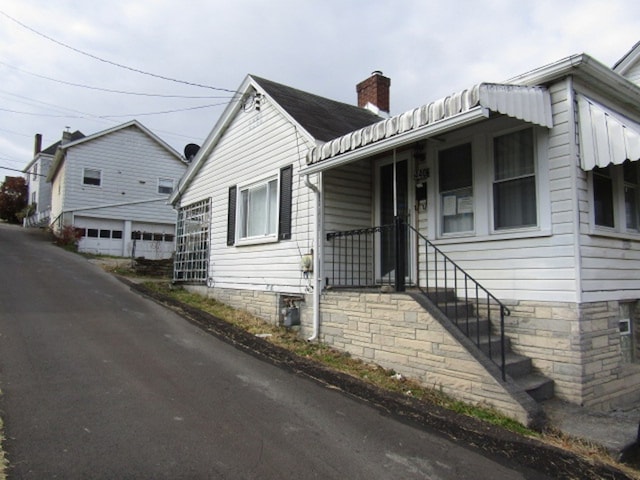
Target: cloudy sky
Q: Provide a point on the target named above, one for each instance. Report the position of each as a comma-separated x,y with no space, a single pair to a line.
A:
79,64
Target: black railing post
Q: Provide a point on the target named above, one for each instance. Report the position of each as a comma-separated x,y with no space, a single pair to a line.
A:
400,254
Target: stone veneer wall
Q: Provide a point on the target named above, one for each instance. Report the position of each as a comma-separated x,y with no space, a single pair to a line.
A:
258,303
578,346
394,331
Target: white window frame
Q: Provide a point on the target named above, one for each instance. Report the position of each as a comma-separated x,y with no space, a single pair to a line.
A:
267,237
84,175
483,176
164,183
536,169
619,229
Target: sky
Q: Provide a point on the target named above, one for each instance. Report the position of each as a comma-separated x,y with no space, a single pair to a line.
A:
172,65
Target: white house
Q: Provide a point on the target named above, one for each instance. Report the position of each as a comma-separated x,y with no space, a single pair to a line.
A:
113,186
511,207
245,215
39,190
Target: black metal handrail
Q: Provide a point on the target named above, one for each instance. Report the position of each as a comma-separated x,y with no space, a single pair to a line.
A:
352,253
352,263
460,296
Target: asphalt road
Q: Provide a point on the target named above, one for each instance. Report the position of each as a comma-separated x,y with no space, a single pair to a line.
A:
101,383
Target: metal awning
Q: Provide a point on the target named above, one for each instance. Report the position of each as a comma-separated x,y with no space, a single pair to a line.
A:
605,136
530,104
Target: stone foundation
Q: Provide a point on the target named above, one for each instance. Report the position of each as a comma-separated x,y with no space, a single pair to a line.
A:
394,331
578,346
265,305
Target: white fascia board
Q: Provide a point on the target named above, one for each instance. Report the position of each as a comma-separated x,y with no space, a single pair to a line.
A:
212,139
471,116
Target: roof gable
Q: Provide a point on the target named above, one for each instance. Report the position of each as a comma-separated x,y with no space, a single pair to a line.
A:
59,157
132,123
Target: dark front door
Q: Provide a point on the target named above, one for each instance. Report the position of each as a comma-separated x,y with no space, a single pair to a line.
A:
393,200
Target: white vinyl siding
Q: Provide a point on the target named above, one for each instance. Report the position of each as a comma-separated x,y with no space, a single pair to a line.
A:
255,145
610,258
348,205
130,163
530,263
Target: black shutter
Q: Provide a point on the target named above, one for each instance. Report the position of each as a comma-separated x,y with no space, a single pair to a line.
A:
231,216
286,182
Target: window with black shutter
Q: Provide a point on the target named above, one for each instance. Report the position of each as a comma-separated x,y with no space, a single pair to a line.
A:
231,216
286,184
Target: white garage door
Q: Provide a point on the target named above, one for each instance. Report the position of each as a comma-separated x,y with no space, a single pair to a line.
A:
153,241
100,236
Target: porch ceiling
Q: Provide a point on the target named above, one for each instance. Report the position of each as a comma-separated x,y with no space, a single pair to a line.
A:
530,104
605,136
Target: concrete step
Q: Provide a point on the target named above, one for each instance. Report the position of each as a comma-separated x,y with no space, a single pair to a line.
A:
538,386
472,327
516,365
491,345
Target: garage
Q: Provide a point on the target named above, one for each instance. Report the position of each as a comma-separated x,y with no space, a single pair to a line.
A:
100,236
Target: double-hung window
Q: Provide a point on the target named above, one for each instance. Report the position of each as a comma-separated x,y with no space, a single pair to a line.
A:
261,211
258,212
455,175
616,197
514,184
165,186
91,176
630,176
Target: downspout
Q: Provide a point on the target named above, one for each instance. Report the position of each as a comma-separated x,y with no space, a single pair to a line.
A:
316,257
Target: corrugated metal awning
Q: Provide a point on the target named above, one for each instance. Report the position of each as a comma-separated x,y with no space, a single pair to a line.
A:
605,136
530,104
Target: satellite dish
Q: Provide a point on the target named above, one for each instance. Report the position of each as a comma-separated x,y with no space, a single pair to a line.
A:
190,151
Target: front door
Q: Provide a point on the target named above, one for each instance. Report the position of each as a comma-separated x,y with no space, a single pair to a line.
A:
393,199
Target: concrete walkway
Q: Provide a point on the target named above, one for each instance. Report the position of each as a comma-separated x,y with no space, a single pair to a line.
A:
613,430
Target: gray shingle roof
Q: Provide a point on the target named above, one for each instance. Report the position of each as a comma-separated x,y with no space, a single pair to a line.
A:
323,118
51,149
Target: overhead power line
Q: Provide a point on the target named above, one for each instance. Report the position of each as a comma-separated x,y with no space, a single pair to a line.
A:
165,111
16,170
101,89
116,64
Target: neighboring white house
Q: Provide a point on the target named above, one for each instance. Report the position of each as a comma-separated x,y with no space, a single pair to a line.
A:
36,171
530,187
113,186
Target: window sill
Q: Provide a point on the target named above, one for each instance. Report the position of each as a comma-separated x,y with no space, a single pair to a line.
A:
256,241
597,232
493,237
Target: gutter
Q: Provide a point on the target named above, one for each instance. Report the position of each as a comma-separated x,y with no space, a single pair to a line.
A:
316,259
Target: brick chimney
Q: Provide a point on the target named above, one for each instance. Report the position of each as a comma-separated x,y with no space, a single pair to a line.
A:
37,144
373,93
